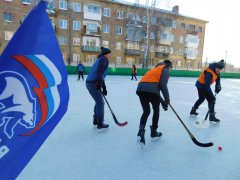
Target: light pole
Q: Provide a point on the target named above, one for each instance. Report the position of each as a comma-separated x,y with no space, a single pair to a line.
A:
225,61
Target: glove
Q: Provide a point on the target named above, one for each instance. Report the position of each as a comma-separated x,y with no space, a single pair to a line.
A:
218,89
98,84
164,105
104,89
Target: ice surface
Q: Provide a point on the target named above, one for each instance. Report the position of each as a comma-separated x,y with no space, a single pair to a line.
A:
76,151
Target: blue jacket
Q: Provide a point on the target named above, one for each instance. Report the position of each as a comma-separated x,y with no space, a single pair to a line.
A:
99,70
80,67
208,79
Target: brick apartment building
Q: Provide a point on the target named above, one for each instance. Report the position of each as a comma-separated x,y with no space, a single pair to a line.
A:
83,26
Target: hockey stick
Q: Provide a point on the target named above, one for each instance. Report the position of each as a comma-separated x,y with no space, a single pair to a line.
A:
113,115
190,134
205,119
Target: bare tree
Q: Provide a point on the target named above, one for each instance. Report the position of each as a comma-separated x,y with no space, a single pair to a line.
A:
150,7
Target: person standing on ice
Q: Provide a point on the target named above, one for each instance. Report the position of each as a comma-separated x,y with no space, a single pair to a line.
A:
80,69
148,90
208,77
95,84
134,72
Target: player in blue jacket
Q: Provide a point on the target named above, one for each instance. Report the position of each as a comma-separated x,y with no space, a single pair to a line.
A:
208,77
80,69
95,83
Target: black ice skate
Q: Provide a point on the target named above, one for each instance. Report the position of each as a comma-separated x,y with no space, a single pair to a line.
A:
212,118
154,134
141,138
95,120
194,112
101,127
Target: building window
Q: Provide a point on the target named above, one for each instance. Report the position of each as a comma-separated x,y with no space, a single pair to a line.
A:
154,20
174,24
76,7
191,28
118,45
63,5
76,25
91,58
180,52
119,14
62,40
91,42
7,16
8,35
152,35
106,12
151,48
144,19
105,44
106,28
181,40
118,60
199,29
76,41
94,9
182,26
92,27
26,1
171,49
63,24
76,58
119,30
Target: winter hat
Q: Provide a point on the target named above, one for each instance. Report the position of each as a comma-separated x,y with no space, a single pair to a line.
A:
220,64
168,63
105,51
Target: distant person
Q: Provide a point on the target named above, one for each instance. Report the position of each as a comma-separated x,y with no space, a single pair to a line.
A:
96,86
80,70
208,77
148,90
134,72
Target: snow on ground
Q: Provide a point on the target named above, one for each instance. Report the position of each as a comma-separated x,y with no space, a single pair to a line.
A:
76,151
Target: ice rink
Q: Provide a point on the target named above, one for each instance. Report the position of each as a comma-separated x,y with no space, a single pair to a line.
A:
75,151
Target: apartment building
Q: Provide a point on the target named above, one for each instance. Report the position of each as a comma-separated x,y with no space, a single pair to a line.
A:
83,26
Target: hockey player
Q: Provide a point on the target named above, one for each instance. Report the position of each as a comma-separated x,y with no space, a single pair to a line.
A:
208,77
96,86
148,90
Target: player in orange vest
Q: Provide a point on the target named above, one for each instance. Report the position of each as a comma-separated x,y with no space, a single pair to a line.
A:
208,77
148,90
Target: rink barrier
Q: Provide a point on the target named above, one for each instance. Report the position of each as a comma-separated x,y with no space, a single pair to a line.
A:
141,72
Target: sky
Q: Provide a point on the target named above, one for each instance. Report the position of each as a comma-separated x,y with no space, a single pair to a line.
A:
222,32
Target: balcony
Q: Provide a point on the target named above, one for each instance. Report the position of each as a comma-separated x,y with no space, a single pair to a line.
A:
132,52
91,49
162,54
87,32
164,41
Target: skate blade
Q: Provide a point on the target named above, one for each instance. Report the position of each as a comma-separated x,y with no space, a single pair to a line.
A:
155,139
140,143
102,130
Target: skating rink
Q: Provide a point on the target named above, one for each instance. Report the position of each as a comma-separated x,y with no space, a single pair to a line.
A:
75,151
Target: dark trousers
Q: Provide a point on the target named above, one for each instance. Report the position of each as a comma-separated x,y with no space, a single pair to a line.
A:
134,75
202,95
146,99
80,74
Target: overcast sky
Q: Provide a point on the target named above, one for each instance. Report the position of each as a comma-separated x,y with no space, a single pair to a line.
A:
222,31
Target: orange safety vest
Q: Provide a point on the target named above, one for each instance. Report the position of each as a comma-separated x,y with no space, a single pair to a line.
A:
201,78
153,75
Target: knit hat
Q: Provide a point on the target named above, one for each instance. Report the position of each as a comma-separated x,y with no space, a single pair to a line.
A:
105,51
220,64
168,63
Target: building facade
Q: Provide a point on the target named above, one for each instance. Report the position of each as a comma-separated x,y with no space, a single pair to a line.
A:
83,26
